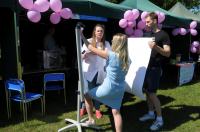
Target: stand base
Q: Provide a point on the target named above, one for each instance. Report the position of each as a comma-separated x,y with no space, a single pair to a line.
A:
78,125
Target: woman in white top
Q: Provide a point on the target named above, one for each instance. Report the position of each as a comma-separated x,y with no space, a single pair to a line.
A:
93,65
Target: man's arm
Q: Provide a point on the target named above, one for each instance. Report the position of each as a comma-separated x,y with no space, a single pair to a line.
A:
165,51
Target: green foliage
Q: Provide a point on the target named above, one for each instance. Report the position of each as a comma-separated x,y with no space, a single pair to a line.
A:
167,4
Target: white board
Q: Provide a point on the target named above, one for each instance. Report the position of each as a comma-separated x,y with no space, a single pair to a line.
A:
139,54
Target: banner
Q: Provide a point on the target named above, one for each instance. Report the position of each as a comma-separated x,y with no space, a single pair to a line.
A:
186,73
139,54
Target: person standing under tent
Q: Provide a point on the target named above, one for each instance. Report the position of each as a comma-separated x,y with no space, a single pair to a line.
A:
160,49
49,40
94,72
111,91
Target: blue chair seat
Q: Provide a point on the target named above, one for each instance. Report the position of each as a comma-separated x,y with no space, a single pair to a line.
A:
29,97
53,87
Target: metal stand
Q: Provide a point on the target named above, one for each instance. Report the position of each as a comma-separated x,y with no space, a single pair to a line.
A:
77,123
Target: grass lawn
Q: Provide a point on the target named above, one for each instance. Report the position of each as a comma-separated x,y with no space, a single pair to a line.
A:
180,106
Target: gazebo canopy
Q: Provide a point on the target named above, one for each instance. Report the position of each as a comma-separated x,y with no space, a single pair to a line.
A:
181,10
100,8
103,8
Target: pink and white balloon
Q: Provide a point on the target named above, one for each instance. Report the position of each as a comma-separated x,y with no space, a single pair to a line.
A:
34,16
193,32
136,13
129,31
193,49
131,24
66,13
198,52
182,31
123,23
141,25
27,4
55,18
41,5
56,5
195,44
193,24
175,31
128,15
138,33
160,25
143,15
161,16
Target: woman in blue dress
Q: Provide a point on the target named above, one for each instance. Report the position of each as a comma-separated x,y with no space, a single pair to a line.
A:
111,91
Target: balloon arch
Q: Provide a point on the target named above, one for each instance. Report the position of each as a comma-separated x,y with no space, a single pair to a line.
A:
35,8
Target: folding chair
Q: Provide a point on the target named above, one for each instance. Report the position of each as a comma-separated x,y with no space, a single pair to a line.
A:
51,83
15,91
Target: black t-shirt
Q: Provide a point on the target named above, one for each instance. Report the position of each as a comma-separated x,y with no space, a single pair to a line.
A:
161,38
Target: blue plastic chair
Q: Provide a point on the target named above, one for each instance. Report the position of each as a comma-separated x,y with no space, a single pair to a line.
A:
15,91
50,84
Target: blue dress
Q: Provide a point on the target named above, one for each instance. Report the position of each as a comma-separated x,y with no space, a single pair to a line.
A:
111,91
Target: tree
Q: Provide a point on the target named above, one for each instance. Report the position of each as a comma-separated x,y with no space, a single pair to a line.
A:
167,4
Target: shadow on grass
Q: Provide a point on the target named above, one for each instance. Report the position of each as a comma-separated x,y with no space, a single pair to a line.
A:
174,116
103,128
177,115
131,113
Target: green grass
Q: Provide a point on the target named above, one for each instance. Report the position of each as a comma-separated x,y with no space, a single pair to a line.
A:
180,107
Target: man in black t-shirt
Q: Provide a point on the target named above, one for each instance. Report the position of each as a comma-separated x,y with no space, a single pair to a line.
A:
160,49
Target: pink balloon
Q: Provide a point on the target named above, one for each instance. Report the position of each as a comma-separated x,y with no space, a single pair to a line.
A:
129,31
182,31
193,24
34,16
55,18
66,13
138,33
161,16
132,36
175,32
143,15
131,24
56,5
198,50
193,32
136,13
159,25
27,4
41,5
193,49
141,25
123,23
195,43
128,15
